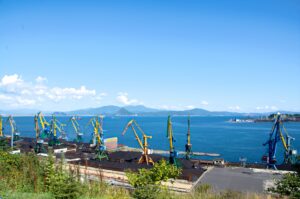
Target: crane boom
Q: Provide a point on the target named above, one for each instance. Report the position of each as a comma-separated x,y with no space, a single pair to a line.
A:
97,123
1,126
42,120
276,136
173,153
39,147
188,146
130,124
98,131
143,144
170,133
75,124
76,128
11,123
55,127
36,127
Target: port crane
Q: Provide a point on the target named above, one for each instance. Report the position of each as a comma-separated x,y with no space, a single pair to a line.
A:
1,126
76,127
276,136
173,152
3,144
145,158
15,134
188,146
45,131
98,137
55,126
39,145
40,133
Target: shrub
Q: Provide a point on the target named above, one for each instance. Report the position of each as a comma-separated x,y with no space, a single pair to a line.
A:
289,185
147,182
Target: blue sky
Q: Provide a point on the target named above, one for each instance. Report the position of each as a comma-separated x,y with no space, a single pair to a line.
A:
219,55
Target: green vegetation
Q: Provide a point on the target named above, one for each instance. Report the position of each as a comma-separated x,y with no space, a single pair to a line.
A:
147,182
289,185
30,176
284,116
3,144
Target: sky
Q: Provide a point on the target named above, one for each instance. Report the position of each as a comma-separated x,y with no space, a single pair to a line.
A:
241,56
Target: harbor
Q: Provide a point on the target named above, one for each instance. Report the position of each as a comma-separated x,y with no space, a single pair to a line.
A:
111,160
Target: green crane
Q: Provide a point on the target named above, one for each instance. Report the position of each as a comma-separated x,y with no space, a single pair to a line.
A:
188,146
173,152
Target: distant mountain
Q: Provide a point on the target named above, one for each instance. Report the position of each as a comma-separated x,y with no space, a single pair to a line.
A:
198,111
123,112
19,112
192,112
58,113
113,110
105,110
140,109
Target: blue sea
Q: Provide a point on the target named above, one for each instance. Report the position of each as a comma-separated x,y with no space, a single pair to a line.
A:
208,134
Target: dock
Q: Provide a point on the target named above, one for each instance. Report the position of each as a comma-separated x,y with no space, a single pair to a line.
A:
163,152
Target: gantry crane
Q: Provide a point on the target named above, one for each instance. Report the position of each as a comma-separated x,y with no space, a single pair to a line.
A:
45,131
173,152
39,145
77,129
276,136
188,146
3,143
1,126
15,134
98,137
55,126
144,145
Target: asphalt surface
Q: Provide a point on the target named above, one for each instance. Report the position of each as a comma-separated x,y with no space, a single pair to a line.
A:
238,179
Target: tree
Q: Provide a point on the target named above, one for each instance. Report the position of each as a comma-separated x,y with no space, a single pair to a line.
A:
147,182
289,185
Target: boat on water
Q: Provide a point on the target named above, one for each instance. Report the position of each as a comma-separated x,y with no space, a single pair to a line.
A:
236,120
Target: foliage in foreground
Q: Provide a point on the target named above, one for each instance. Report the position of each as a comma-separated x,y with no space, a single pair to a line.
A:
289,185
147,182
27,176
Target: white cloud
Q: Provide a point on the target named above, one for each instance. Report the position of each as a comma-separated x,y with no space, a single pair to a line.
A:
40,79
11,83
25,92
24,102
190,107
282,101
266,108
123,99
5,97
103,94
205,103
235,108
16,101
11,80
58,93
16,92
175,108
98,98
168,107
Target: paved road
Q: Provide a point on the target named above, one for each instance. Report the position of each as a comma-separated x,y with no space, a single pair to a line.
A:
238,179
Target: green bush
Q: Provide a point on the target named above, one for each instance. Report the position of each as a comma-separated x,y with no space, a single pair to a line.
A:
289,185
60,183
147,182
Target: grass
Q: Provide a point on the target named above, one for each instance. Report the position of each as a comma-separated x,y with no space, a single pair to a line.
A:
27,176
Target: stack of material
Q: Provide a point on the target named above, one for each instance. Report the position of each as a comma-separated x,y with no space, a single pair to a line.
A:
111,143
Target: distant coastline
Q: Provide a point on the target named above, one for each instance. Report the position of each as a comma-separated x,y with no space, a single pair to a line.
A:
134,111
